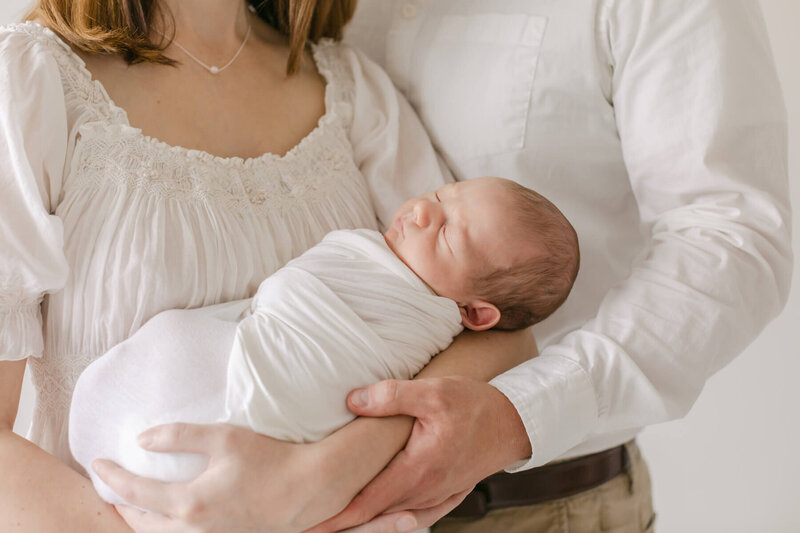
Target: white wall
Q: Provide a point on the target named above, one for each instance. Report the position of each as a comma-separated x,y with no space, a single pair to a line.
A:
733,464
11,10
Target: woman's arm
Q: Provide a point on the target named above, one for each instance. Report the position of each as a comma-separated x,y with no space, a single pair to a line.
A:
254,481
482,355
38,493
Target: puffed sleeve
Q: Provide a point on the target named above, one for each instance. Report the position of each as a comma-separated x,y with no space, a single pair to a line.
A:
390,145
703,129
33,143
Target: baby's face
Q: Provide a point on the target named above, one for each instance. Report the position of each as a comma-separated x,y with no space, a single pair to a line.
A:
447,237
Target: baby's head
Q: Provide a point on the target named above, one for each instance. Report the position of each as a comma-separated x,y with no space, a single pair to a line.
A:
504,253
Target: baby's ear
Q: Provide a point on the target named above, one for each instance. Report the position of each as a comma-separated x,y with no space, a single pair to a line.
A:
479,315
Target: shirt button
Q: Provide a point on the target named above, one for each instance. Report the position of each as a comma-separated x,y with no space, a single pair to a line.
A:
409,11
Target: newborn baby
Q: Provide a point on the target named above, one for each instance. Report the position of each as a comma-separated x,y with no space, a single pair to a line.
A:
357,308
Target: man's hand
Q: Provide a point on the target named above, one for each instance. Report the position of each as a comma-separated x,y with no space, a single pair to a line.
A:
252,483
465,430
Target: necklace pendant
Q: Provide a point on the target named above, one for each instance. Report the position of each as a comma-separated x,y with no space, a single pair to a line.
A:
214,70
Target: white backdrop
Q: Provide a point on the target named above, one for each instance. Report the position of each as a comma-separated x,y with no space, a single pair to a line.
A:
733,464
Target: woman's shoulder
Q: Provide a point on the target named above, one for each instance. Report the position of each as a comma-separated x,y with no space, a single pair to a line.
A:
31,53
29,40
340,58
28,47
334,61
349,70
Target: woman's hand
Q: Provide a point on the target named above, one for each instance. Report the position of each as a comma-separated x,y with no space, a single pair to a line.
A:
252,483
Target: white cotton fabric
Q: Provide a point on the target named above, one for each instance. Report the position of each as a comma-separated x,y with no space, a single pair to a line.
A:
102,227
658,128
345,314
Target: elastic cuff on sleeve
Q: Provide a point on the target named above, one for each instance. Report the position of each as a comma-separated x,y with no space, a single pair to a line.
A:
555,399
21,332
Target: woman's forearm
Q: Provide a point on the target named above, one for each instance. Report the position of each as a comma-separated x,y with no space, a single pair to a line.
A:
483,355
366,445
40,494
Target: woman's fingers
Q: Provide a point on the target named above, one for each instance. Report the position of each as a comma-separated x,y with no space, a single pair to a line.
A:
185,438
138,491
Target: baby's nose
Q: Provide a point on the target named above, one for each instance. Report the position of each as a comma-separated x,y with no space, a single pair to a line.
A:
426,213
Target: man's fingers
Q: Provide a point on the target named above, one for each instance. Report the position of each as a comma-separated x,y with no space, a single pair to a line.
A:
428,517
138,491
392,397
186,438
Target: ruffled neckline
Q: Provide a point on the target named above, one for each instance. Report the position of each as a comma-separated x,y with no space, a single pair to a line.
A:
121,116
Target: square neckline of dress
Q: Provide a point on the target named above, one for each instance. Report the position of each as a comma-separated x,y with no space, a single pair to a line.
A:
326,118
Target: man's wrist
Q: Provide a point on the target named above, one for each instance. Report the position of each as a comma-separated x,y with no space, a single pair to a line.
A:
512,430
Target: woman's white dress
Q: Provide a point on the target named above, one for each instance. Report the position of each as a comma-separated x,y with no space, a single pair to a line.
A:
102,227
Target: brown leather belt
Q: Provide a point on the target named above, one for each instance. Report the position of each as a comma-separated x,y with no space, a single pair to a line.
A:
537,485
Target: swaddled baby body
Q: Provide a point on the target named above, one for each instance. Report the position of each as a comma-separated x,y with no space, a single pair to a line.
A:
357,308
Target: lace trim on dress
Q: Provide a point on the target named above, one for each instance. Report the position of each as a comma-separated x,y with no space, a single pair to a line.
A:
110,155
110,150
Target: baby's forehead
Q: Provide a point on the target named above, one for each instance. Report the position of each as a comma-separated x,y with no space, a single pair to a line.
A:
510,218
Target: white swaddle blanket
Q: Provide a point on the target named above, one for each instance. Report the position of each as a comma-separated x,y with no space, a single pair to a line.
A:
345,314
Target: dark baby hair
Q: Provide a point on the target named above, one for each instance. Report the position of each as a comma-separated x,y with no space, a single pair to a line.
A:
530,290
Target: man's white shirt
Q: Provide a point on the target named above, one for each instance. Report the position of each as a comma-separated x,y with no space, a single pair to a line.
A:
658,128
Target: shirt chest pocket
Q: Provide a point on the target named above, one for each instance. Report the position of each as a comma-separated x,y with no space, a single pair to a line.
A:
473,82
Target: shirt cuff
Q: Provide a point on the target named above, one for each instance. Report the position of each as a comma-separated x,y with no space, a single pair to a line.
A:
555,399
21,332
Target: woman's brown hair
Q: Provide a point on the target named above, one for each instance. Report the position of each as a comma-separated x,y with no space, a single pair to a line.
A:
125,27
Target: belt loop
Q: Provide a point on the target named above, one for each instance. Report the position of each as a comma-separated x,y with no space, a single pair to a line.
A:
628,459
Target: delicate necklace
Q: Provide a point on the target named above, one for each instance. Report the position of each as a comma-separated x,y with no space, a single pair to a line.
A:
213,69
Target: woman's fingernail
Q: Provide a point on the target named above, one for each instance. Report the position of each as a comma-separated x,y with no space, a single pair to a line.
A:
360,398
406,523
145,439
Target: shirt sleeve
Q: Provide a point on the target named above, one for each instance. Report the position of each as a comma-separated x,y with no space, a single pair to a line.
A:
33,143
390,145
703,130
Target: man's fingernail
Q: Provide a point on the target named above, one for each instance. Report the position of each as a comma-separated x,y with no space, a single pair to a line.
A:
360,398
145,439
406,523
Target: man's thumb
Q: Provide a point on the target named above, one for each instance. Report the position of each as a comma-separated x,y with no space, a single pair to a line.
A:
386,398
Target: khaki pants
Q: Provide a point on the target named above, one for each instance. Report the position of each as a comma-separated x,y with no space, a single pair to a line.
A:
622,505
